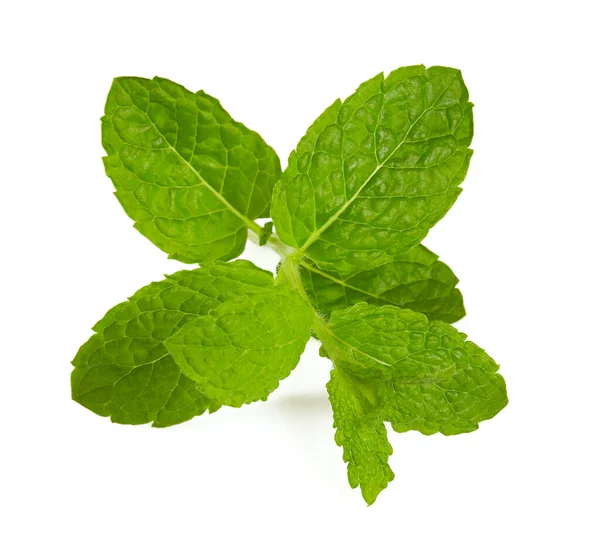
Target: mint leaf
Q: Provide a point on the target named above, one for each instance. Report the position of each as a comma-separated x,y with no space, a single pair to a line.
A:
429,377
415,280
369,179
399,367
191,177
374,173
360,431
449,404
265,233
240,351
125,371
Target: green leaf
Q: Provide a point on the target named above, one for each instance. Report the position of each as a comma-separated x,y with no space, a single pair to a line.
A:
191,177
430,378
265,233
415,280
240,351
360,431
449,404
125,371
374,173
399,367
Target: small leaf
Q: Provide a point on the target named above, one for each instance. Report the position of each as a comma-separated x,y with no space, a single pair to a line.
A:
191,177
374,173
415,280
240,351
265,233
394,365
360,431
125,371
430,378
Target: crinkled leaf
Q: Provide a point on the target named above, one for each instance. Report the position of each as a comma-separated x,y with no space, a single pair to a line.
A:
240,351
415,280
418,375
191,177
374,173
361,433
125,371
430,378
450,404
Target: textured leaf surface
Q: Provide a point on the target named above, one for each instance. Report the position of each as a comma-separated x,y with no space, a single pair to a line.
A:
430,378
394,365
240,351
415,280
374,173
361,433
125,371
191,177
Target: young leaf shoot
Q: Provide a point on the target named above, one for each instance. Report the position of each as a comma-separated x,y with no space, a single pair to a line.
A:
367,181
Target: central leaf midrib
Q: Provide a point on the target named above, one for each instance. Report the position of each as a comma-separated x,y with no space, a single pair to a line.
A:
344,284
353,347
317,233
249,223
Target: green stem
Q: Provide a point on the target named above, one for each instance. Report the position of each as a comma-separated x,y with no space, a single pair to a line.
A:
253,227
273,242
289,273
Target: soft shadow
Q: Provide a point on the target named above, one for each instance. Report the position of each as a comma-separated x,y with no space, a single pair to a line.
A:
305,403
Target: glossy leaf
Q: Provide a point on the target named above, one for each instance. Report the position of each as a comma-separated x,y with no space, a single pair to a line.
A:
374,173
418,375
415,280
191,177
125,371
240,351
432,378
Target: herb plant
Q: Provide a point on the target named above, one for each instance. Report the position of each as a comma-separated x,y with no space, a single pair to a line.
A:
369,179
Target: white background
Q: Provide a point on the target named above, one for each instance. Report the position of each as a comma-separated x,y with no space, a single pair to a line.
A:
523,238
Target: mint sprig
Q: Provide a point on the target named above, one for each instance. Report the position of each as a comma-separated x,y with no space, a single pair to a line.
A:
368,180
